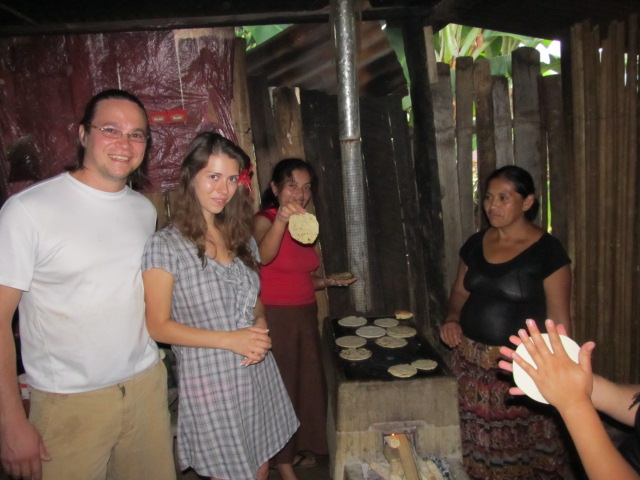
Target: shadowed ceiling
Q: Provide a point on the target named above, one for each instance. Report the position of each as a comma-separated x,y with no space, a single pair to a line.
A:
539,18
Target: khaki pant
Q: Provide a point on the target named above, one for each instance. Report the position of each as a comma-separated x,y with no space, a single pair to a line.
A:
120,432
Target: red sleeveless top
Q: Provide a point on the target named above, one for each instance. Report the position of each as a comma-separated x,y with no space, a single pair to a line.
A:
287,279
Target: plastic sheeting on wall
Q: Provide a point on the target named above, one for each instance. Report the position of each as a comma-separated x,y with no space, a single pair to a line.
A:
46,81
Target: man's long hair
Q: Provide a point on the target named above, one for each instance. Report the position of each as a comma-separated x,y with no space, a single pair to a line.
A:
236,219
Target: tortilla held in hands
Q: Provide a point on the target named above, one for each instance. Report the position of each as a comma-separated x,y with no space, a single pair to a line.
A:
304,228
522,378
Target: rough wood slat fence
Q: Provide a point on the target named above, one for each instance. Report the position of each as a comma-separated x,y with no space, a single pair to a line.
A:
502,138
592,186
605,223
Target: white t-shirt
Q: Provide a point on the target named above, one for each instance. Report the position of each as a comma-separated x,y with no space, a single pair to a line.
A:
76,253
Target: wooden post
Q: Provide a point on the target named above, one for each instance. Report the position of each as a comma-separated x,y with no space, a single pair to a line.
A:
577,227
432,64
447,169
482,86
592,44
286,108
559,158
426,170
241,113
502,121
630,282
464,141
526,121
262,129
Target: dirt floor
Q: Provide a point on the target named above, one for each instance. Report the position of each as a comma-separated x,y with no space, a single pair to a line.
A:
319,472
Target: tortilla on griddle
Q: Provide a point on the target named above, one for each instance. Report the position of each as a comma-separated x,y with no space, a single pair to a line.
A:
402,370
350,341
355,354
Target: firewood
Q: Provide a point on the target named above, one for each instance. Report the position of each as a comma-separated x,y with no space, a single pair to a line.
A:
429,470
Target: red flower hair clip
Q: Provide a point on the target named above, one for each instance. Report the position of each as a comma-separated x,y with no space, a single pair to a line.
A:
245,178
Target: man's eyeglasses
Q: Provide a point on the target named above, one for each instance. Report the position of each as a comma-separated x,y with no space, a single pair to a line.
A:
110,132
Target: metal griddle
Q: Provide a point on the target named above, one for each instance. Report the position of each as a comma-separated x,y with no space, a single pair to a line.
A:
375,367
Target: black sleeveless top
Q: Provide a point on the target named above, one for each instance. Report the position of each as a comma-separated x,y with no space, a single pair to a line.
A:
504,295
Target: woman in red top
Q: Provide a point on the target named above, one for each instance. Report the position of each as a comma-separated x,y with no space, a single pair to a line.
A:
288,290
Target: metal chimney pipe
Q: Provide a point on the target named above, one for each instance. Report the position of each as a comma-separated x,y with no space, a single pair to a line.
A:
353,179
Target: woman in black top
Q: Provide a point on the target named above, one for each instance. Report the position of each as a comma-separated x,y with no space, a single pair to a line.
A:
508,273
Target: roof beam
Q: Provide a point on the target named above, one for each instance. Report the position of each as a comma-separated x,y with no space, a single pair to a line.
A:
205,21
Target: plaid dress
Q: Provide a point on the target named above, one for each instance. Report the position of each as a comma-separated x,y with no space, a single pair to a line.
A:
231,419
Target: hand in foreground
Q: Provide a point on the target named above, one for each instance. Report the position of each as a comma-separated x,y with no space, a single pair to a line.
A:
560,380
253,343
451,333
506,351
23,450
285,211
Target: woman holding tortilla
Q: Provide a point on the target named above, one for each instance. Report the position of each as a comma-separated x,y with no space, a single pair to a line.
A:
289,283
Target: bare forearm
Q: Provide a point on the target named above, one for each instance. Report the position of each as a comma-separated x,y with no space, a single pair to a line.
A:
259,315
600,458
174,333
614,399
10,401
456,300
557,289
269,245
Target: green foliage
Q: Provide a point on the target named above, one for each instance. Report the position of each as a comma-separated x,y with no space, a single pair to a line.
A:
455,41
255,35
394,36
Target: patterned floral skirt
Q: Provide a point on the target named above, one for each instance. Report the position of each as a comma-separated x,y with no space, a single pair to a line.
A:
504,437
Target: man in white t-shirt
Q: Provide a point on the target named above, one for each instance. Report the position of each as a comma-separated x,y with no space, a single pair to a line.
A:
70,256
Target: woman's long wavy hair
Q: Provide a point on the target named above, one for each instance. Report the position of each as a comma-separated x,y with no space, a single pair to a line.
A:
236,219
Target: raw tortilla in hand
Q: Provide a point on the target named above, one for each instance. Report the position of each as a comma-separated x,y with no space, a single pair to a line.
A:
304,228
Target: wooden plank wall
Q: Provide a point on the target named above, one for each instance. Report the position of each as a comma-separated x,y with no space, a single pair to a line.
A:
319,116
396,253
605,223
429,225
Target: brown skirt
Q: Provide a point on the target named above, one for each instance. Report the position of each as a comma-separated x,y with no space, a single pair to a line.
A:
296,347
504,437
